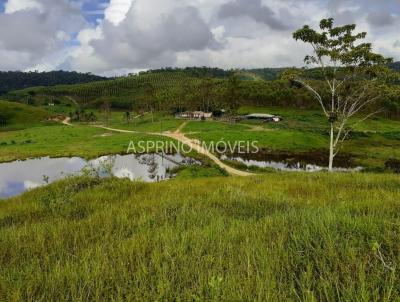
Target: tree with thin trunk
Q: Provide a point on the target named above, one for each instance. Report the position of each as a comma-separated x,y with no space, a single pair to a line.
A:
206,87
127,117
149,98
107,111
351,75
233,90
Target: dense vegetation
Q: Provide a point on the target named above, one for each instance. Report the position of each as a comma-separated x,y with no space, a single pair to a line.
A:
18,116
178,90
268,74
195,72
290,237
13,80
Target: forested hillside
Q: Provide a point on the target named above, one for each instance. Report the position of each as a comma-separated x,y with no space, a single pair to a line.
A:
207,89
13,80
171,91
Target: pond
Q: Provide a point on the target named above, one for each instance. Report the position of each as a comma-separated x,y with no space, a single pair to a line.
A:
19,176
287,164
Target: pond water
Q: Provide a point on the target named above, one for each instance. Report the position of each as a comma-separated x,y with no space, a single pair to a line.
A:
19,176
285,165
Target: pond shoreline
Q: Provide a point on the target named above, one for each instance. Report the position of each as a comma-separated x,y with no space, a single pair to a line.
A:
19,176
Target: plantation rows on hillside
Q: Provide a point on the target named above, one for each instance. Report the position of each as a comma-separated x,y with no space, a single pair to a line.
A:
177,92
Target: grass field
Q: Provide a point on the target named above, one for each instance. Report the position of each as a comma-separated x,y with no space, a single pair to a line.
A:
60,140
279,237
19,116
305,131
301,131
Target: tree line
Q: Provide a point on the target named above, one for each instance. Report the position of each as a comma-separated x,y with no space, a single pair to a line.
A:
14,80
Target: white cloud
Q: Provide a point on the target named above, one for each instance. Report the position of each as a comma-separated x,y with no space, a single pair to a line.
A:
33,32
117,10
13,6
219,33
147,37
140,34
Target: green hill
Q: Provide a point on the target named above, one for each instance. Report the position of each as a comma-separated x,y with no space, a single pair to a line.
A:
19,116
120,92
12,80
180,90
171,91
280,237
268,74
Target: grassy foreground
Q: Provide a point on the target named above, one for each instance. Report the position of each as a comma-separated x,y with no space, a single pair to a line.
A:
310,237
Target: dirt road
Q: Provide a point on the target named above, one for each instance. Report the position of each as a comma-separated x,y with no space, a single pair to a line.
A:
67,121
200,149
193,144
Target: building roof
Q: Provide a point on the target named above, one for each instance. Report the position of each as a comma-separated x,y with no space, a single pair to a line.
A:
261,115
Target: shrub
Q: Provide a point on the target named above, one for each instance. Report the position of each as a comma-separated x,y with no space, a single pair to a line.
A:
393,165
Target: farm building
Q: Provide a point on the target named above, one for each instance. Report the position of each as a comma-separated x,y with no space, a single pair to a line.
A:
264,117
195,115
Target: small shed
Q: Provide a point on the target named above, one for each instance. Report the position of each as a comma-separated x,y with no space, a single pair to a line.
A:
195,115
264,117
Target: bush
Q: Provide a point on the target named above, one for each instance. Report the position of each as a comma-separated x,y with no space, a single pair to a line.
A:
393,165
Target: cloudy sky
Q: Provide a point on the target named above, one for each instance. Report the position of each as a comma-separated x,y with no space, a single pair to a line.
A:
111,37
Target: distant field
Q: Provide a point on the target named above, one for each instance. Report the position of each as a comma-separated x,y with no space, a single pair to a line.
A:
280,237
315,119
59,141
371,144
301,131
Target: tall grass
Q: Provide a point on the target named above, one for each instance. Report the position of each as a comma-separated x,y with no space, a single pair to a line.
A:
277,237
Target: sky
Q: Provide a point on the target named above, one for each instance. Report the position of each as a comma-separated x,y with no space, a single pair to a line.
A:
116,37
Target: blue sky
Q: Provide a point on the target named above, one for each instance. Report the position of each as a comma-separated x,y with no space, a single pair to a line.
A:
120,36
2,2
94,10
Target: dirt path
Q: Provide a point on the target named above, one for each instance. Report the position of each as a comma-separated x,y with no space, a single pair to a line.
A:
179,136
67,121
183,125
200,149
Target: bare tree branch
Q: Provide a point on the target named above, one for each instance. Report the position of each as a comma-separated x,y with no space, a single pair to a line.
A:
316,94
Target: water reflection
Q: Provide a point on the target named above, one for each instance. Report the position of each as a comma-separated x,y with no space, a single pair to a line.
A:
19,176
285,165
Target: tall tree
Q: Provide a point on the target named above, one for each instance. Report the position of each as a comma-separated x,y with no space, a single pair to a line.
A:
351,72
107,110
234,86
149,98
206,87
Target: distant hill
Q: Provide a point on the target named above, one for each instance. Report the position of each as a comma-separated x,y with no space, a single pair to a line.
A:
268,74
194,72
17,80
14,80
395,66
